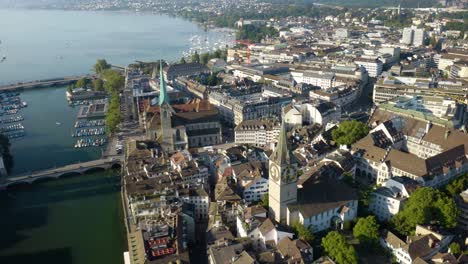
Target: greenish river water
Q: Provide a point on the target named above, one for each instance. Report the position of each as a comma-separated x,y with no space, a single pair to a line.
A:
77,219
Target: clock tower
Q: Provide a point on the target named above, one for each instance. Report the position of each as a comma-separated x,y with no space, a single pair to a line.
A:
282,182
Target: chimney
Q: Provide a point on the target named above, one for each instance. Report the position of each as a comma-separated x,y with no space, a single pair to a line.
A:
431,242
428,126
447,133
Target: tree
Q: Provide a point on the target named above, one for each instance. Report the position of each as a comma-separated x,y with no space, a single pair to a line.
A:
335,245
367,230
457,185
349,132
113,116
196,57
265,201
182,60
256,33
303,232
204,58
455,248
83,83
425,206
98,85
5,152
100,66
433,41
114,81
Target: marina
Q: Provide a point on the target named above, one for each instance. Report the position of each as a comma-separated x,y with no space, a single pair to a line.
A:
90,142
13,119
90,123
87,102
86,132
10,105
11,128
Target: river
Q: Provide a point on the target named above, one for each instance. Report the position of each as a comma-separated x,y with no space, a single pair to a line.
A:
77,219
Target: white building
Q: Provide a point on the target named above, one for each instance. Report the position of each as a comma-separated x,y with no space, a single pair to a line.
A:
320,79
373,66
341,33
200,199
321,113
420,248
257,132
407,37
389,199
409,145
413,36
440,107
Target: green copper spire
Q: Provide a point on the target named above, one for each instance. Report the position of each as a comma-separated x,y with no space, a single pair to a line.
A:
281,154
163,97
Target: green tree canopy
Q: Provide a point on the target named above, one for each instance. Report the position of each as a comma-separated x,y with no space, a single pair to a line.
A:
349,132
265,201
204,58
182,60
303,232
455,248
338,249
366,230
100,66
196,57
457,186
426,205
83,83
256,33
114,81
113,116
98,85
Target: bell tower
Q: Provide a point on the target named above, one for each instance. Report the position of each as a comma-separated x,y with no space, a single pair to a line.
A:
166,137
282,182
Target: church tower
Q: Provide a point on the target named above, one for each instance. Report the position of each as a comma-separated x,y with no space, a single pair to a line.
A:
282,182
166,133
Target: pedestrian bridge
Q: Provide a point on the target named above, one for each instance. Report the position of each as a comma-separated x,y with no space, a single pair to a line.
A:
55,173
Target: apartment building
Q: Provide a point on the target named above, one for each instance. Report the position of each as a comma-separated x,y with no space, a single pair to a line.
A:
257,132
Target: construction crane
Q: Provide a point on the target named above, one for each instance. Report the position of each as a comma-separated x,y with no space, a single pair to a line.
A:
248,44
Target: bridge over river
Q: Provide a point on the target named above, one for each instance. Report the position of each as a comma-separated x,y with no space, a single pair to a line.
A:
42,83
55,173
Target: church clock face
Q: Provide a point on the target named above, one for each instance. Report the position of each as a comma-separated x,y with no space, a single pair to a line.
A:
274,173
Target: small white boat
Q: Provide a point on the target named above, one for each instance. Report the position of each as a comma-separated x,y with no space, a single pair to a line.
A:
58,123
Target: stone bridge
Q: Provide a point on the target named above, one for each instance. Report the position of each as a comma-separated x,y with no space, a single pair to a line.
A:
55,173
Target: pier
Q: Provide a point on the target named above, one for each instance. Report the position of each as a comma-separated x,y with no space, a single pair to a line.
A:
55,173
43,83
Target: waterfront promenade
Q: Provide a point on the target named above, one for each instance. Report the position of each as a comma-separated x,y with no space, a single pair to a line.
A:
42,83
54,173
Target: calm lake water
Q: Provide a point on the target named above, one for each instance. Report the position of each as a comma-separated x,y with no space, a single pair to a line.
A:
42,44
73,220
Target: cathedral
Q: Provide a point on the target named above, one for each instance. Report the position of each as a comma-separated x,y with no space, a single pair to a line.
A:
182,126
